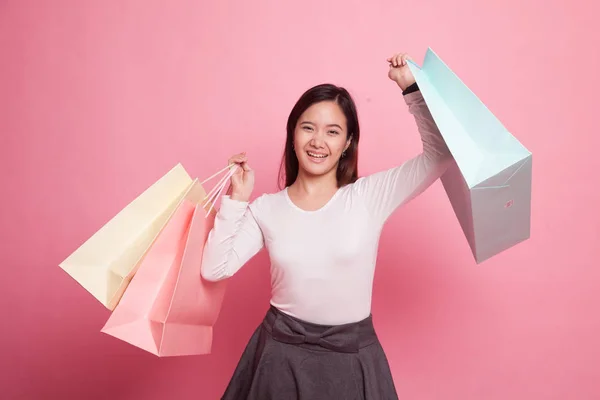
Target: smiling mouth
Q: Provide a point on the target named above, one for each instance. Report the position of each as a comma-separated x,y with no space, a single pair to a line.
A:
316,155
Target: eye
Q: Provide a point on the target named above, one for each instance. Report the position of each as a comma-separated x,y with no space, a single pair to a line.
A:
334,132
307,128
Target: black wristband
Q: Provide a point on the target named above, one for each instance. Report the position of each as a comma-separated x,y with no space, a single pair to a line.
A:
412,88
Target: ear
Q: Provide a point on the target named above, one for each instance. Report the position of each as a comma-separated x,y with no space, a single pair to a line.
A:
348,143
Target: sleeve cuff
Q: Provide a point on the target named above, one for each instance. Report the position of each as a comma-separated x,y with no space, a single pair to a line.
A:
232,209
414,98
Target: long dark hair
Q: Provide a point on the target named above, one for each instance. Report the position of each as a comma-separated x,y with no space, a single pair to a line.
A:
347,171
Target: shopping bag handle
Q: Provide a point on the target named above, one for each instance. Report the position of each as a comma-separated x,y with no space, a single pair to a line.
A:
217,190
223,181
229,166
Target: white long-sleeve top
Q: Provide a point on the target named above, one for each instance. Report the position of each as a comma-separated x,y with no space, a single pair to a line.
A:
323,261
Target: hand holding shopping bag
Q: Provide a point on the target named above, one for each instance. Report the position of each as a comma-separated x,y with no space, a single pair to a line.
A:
242,181
168,309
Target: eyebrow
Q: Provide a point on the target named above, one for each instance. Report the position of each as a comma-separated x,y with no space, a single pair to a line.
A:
330,125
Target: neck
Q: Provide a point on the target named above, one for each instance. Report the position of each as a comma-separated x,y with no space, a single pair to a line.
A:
321,184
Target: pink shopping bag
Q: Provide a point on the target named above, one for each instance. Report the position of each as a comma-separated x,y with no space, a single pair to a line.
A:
168,309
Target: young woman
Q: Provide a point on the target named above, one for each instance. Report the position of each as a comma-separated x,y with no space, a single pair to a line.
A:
321,231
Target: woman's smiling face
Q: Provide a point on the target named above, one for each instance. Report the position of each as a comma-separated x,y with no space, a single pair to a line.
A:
320,138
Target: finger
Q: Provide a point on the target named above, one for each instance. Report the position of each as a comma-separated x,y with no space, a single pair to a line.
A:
399,59
245,166
237,159
235,170
236,176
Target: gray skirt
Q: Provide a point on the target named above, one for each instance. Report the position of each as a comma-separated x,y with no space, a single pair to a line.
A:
290,359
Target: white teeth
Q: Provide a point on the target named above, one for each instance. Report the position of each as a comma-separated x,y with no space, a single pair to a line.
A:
316,155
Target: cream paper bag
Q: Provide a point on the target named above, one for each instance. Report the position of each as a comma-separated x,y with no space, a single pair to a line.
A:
106,262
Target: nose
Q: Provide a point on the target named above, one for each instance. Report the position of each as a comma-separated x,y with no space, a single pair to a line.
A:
318,139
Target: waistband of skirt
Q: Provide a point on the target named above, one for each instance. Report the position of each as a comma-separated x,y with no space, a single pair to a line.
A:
345,338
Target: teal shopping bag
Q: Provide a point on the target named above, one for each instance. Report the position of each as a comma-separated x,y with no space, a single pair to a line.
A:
489,184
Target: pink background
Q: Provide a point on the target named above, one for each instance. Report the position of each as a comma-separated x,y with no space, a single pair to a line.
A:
98,99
